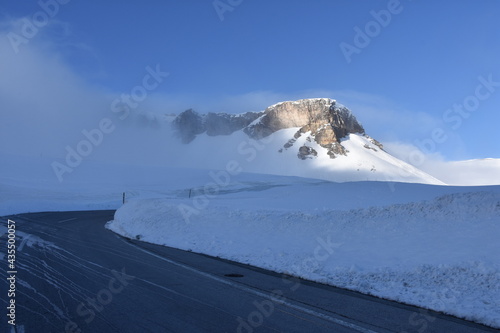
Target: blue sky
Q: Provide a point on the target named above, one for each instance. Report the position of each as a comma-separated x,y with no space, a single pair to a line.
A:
427,57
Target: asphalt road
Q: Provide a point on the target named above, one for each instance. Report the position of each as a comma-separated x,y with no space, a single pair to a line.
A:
73,275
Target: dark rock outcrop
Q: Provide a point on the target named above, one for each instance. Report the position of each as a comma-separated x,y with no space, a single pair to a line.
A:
190,123
306,152
225,124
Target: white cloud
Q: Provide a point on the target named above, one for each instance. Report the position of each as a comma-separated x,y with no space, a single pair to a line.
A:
413,155
468,173
42,100
45,105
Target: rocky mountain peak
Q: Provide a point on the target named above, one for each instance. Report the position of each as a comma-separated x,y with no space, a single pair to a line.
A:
322,119
312,113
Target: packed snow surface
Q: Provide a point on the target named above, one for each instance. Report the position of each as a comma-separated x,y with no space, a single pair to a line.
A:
432,246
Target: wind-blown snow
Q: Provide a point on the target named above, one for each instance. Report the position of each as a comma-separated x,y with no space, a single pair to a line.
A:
431,246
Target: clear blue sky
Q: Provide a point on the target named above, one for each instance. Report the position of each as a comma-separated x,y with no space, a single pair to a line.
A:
428,57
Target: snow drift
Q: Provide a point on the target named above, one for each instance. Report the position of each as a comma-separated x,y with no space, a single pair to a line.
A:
436,247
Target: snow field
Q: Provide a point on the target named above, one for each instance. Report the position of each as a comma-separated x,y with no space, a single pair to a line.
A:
437,253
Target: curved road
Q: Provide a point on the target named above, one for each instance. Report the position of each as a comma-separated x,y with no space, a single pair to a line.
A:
73,275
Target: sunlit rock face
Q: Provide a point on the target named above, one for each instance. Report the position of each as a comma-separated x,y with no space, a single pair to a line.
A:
317,115
321,119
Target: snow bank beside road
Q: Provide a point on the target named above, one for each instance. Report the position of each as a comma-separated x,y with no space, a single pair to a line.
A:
441,254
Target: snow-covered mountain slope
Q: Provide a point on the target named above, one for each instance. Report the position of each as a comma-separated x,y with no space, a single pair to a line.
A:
364,160
312,138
